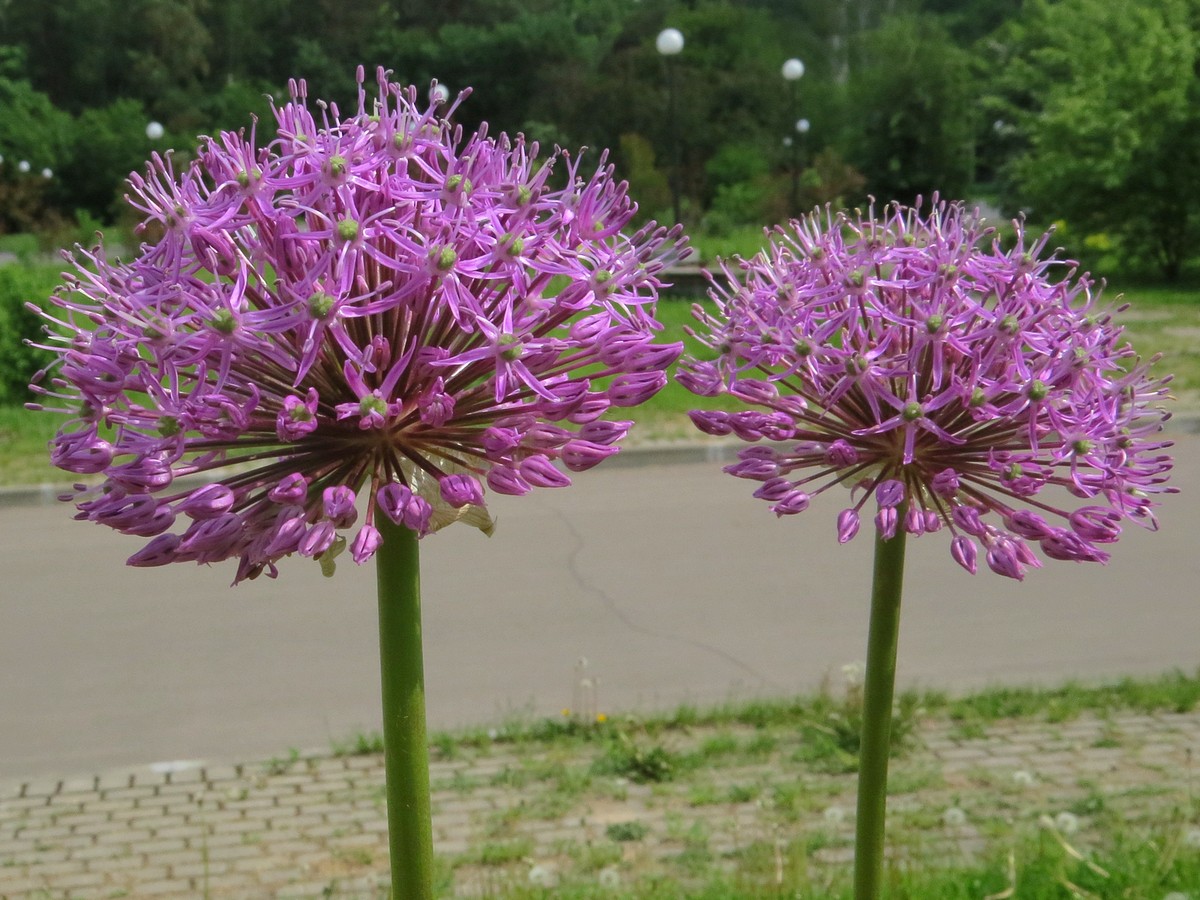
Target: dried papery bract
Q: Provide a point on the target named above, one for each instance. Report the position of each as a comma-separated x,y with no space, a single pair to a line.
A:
374,305
909,362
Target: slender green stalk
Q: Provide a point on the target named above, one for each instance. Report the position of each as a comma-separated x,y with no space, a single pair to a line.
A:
406,751
878,689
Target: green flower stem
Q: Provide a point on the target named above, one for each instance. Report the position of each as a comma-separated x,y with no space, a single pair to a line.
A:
406,751
878,689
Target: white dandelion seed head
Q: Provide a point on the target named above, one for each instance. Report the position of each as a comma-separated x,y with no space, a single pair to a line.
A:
541,876
853,673
835,815
1191,838
609,877
954,817
1067,823
1023,778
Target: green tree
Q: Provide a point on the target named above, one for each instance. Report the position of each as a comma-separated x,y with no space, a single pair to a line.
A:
108,144
31,127
909,115
1107,100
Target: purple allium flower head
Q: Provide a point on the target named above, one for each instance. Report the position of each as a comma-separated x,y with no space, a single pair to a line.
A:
371,304
912,360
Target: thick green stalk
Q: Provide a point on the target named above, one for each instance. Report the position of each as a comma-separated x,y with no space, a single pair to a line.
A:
878,689
406,751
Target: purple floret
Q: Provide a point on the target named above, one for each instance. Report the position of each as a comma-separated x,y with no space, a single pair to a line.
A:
914,361
369,311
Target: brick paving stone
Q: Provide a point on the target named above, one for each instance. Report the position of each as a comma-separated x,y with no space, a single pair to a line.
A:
157,846
256,834
120,862
18,886
78,880
228,880
43,833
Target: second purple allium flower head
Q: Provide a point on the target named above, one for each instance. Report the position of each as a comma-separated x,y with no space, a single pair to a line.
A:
910,359
366,303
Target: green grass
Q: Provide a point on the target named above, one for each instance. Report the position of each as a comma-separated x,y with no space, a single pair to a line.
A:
1166,320
24,458
646,748
743,242
1134,841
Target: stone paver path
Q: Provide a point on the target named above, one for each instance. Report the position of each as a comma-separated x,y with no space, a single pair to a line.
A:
312,825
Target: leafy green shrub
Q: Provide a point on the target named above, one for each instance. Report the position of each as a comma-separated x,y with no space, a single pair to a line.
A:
639,764
624,832
33,137
107,144
735,164
648,184
20,284
23,246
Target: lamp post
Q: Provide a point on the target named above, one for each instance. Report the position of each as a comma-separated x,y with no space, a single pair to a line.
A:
802,126
793,71
669,43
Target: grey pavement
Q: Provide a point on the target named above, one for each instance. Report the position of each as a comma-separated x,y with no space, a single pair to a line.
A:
667,576
669,579
672,582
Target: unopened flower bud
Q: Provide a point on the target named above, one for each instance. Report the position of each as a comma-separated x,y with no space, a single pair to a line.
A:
365,543
847,525
338,505
540,472
793,502
963,552
461,490
507,480
208,502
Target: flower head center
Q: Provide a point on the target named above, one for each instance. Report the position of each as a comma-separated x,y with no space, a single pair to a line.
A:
512,244
223,321
368,405
510,350
856,365
347,229
320,305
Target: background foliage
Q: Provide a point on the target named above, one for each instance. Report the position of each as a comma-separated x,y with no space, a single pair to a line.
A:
1085,112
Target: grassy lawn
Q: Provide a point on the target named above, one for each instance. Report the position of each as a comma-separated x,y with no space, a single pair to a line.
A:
24,458
755,800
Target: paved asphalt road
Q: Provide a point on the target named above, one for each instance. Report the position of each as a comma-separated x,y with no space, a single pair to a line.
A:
671,580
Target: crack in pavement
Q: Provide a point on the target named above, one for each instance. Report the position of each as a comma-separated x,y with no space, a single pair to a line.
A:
611,605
